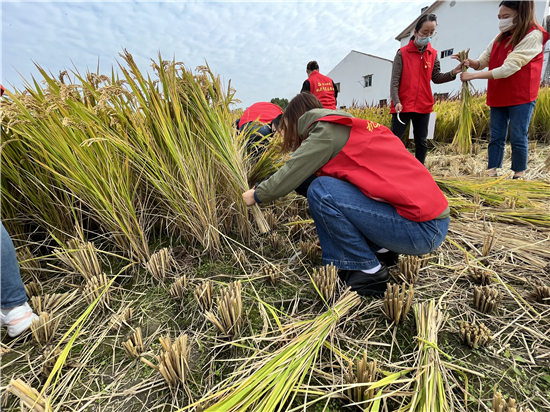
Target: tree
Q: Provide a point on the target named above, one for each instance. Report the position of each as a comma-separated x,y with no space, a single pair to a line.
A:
282,103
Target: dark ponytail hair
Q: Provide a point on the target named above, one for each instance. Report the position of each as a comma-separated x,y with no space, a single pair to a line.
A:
423,19
302,103
526,19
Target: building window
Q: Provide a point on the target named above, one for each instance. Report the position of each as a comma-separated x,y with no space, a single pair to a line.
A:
383,103
368,80
446,53
337,87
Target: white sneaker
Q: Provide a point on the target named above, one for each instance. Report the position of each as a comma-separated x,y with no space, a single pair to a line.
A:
18,319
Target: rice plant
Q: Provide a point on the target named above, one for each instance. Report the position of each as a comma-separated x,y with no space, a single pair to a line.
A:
230,311
179,287
30,397
325,281
474,335
43,329
203,295
173,360
97,288
487,299
365,372
118,320
160,264
50,303
272,273
134,346
409,269
81,257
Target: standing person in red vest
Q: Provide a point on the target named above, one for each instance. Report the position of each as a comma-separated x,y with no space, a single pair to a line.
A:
515,60
414,66
365,209
320,86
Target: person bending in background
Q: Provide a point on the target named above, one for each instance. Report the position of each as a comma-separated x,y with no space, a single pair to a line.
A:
414,66
16,313
322,87
514,59
365,209
263,112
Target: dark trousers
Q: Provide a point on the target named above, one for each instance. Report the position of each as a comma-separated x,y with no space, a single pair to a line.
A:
420,122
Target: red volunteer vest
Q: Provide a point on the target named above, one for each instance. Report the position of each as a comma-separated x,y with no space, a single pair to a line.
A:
415,90
262,112
380,166
521,87
322,88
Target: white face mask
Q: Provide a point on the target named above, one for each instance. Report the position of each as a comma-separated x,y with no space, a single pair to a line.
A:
506,24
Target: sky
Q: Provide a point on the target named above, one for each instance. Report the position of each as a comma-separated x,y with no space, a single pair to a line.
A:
262,47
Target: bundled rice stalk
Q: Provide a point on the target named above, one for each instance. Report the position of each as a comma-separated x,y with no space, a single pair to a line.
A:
366,372
474,335
267,382
230,308
179,287
409,269
325,281
118,320
160,264
203,295
30,397
430,393
173,361
398,302
134,346
43,329
487,299
94,289
80,257
463,136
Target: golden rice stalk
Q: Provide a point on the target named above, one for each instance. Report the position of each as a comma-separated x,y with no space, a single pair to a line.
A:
509,202
30,397
134,346
31,289
160,264
409,268
398,302
230,308
173,361
463,137
203,295
238,258
117,320
309,249
275,240
80,257
486,298
50,303
366,372
94,288
542,293
272,273
50,355
178,288
326,280
271,220
474,335
43,329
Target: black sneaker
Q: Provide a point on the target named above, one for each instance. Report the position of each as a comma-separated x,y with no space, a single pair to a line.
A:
366,284
389,258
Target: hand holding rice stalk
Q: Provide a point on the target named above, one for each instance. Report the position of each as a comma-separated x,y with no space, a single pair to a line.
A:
463,136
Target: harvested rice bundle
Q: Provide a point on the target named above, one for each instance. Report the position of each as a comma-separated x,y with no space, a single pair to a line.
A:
463,136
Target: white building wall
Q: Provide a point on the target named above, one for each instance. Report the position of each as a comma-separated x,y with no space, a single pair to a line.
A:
463,25
349,73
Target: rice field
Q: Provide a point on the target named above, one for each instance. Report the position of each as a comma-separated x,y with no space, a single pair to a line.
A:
158,290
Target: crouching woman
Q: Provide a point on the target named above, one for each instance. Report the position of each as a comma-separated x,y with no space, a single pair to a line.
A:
372,198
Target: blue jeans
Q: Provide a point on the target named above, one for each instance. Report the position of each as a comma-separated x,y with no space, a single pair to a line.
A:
519,117
351,226
12,291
